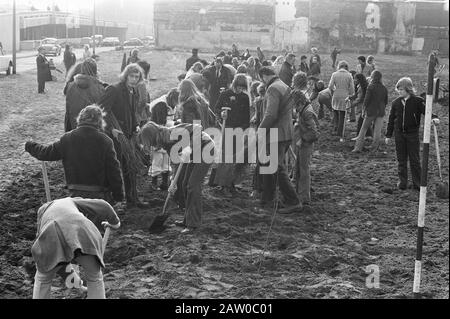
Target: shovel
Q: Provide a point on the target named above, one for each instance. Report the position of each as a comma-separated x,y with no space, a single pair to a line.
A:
159,220
46,183
442,187
224,170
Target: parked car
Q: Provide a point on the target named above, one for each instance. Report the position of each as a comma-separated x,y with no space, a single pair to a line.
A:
6,64
51,46
98,39
86,40
111,42
134,42
148,40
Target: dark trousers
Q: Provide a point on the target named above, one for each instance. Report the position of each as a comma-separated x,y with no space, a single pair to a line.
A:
407,146
360,123
189,192
338,122
129,181
269,181
41,86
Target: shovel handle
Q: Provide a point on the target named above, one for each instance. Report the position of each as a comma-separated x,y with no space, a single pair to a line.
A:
173,182
46,183
438,154
106,237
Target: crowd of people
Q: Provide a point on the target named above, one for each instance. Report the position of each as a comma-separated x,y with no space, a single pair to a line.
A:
114,130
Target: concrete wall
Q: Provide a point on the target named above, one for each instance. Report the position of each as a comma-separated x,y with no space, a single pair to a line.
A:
213,39
214,25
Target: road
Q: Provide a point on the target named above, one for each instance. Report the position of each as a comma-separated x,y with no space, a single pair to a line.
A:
29,62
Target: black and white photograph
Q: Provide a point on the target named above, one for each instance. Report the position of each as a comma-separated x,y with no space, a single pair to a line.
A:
231,157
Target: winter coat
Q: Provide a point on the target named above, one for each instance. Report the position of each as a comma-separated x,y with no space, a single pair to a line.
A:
239,115
120,101
342,86
304,67
406,118
375,100
88,157
67,225
216,82
83,91
142,109
43,69
193,109
319,62
306,126
287,73
278,113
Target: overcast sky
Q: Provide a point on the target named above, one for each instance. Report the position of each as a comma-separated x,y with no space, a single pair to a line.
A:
69,5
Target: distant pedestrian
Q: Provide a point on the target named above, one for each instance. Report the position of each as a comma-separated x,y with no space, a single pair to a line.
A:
315,62
69,58
134,57
87,52
191,61
43,70
334,55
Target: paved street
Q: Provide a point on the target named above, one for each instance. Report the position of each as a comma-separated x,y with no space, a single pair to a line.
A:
27,60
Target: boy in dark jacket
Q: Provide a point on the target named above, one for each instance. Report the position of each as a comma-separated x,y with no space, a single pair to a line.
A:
404,123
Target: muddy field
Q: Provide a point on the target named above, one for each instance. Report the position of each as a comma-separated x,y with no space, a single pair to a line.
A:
358,217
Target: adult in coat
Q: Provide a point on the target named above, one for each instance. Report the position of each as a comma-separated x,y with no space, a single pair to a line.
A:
85,90
119,103
287,70
234,105
43,70
374,108
219,78
278,114
89,159
69,58
69,229
342,88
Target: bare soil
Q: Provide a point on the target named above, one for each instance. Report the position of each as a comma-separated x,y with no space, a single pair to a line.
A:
358,218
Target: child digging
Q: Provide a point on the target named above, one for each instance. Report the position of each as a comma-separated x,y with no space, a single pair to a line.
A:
161,161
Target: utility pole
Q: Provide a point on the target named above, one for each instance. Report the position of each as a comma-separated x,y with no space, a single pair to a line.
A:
309,25
14,55
93,31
